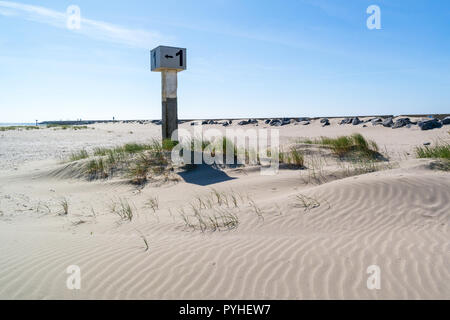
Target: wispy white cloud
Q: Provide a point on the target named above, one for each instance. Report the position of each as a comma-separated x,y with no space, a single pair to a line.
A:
91,28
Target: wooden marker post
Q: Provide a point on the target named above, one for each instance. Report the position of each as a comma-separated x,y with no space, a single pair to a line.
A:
169,61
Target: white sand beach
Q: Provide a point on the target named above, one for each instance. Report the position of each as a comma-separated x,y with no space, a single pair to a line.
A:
305,233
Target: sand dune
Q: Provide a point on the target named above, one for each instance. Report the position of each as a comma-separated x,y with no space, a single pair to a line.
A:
396,218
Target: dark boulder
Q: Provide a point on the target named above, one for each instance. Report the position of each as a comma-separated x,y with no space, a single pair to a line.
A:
388,122
243,123
267,121
325,123
276,123
285,121
446,120
430,124
346,121
376,121
402,122
356,121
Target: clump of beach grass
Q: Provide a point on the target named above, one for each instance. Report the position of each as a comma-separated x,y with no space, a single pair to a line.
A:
137,161
168,144
123,209
145,163
153,202
438,151
218,211
64,207
355,143
78,155
352,145
293,157
96,169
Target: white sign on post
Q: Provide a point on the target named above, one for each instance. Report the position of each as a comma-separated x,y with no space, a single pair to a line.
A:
168,58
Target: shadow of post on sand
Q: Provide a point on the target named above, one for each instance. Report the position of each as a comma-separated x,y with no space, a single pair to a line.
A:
204,175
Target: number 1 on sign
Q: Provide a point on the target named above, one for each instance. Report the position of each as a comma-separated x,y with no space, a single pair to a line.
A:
180,53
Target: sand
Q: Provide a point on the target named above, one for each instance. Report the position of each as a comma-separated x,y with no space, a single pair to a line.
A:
396,218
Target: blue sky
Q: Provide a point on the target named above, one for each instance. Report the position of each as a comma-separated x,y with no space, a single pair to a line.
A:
245,58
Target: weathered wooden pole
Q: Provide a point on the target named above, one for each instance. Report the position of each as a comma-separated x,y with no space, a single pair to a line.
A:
169,61
169,103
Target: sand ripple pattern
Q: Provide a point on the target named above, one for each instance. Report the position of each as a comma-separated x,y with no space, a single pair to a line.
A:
398,222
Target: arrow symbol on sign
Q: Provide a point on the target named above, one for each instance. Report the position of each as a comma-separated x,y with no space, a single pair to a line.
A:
168,57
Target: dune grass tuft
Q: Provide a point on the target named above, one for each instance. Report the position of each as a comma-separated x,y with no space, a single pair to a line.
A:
153,202
64,207
79,155
123,209
218,211
293,157
353,145
134,160
145,163
96,169
439,151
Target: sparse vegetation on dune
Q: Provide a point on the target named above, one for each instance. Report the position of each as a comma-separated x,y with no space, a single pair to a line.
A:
217,211
79,155
64,207
438,151
354,145
145,163
18,128
66,126
293,158
153,202
142,162
123,209
325,159
96,169
133,160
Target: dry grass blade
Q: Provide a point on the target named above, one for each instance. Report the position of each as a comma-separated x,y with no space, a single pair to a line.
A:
65,207
308,203
123,209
